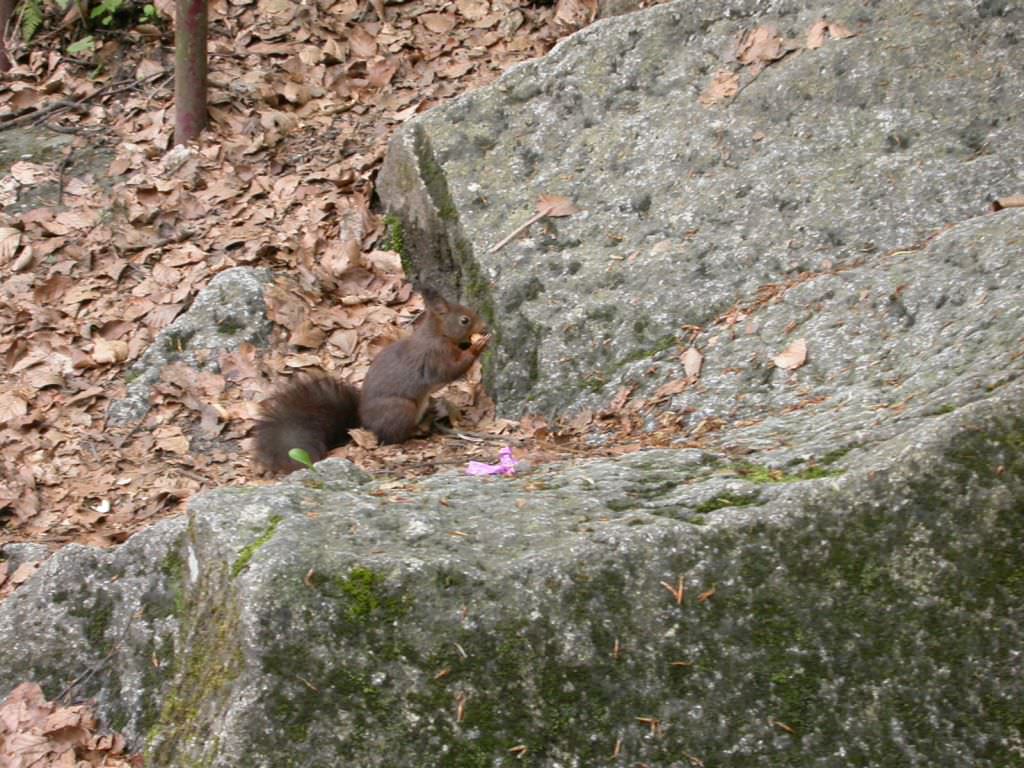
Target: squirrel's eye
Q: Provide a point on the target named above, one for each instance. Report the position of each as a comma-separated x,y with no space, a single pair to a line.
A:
464,319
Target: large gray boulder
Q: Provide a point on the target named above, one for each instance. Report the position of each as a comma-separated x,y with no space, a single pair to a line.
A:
853,526
830,157
868,614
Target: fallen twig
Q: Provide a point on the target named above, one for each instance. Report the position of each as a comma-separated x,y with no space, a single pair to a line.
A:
547,205
61,105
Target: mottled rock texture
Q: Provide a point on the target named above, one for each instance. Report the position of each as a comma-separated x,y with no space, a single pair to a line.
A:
831,157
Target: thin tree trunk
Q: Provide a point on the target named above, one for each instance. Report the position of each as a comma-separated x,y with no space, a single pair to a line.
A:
6,11
189,70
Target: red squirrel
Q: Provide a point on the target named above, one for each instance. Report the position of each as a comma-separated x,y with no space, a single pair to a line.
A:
315,413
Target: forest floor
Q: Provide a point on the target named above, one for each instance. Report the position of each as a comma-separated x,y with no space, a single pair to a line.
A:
107,233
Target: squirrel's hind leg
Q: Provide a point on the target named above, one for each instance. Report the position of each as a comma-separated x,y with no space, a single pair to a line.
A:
274,439
391,419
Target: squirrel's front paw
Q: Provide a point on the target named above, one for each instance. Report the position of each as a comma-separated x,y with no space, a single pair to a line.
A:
478,341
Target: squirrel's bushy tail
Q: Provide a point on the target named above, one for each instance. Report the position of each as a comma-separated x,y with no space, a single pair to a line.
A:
312,412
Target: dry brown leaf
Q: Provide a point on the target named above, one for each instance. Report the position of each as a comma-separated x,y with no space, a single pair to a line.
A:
115,329
74,717
170,438
363,44
24,261
303,360
28,749
283,307
163,315
278,12
671,388
29,174
85,396
339,257
581,421
575,14
311,55
107,352
344,340
441,23
364,438
239,365
297,93
40,733
724,85
10,239
839,31
12,407
24,97
487,21
24,704
307,335
52,289
821,30
147,68
380,71
547,205
41,377
792,357
693,360
555,205
816,34
473,9
385,262
24,572
621,398
456,68
761,46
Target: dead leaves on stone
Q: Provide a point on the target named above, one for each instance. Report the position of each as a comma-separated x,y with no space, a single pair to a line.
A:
823,30
36,732
792,357
10,579
755,49
627,423
692,361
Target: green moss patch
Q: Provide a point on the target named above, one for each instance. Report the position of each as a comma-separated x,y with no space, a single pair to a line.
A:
242,561
756,473
394,236
203,665
723,501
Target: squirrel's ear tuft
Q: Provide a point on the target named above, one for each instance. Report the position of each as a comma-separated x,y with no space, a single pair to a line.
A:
435,301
